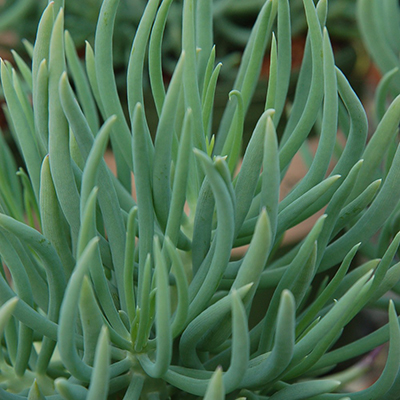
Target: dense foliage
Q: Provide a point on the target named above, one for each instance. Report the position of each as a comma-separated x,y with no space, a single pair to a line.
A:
109,296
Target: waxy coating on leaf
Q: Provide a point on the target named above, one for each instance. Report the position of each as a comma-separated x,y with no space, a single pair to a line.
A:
105,295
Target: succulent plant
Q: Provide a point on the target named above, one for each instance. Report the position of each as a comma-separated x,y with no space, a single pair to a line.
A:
379,25
106,296
233,20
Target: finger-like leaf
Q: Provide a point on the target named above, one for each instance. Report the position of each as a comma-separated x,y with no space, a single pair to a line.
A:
208,101
191,85
357,135
320,162
377,45
270,177
129,263
371,221
247,77
326,294
98,388
155,63
70,391
82,84
163,146
335,318
68,315
179,188
203,286
215,389
91,319
195,381
305,390
53,222
35,392
6,311
201,323
291,144
377,146
277,361
26,140
143,190
232,145
104,74
163,327
382,91
284,59
250,171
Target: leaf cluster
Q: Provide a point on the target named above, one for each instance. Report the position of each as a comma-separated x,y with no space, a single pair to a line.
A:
104,294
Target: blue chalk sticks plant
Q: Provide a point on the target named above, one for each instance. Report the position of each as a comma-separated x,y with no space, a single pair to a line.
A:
109,297
379,27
